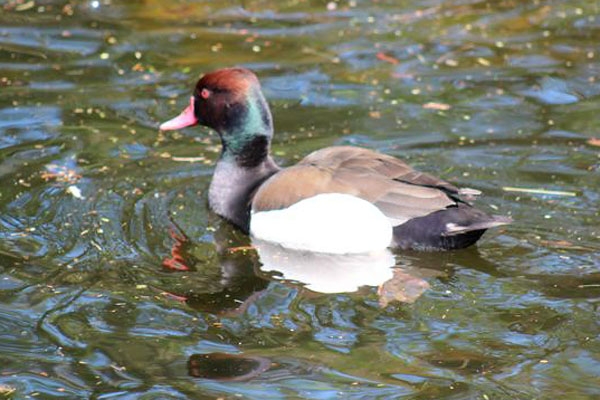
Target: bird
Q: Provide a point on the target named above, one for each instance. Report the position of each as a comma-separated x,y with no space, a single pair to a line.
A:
339,199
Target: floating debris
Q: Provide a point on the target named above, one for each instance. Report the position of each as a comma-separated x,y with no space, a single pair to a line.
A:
240,249
6,390
75,192
384,57
539,191
594,142
437,106
60,173
189,159
25,6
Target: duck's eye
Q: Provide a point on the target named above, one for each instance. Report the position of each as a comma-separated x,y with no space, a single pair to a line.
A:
205,93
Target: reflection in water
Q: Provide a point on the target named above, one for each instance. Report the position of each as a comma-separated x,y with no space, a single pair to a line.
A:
235,283
233,299
486,94
405,286
240,285
180,258
226,367
335,273
326,273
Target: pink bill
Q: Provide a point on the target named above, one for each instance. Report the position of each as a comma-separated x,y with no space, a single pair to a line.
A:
185,119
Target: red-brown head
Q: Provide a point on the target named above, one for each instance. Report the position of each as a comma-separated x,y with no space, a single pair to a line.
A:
231,102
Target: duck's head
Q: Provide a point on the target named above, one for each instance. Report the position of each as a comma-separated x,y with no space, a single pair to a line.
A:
231,102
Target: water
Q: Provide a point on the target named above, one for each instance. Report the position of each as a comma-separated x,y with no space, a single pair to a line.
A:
95,202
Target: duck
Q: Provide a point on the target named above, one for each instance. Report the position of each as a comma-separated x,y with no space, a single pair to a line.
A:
339,199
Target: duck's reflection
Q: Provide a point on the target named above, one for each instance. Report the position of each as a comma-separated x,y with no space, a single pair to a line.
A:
243,277
405,286
226,367
312,272
334,273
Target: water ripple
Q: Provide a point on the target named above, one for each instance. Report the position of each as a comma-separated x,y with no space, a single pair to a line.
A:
115,278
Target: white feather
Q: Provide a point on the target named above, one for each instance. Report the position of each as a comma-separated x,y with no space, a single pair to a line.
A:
327,223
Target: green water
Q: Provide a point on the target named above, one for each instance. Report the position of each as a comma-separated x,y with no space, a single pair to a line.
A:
93,199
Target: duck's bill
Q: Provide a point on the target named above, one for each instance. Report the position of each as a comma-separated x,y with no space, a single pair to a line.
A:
185,119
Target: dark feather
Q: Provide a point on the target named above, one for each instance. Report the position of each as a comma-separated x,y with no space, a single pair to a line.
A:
431,231
426,212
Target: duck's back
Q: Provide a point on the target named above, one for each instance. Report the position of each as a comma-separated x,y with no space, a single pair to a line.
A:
339,193
397,190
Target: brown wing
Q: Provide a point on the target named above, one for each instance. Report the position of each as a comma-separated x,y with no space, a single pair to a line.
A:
400,192
388,166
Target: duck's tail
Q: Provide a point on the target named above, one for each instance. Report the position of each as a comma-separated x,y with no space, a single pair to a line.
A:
453,229
448,229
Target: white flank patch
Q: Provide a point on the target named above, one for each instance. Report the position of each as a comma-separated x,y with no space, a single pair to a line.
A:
327,223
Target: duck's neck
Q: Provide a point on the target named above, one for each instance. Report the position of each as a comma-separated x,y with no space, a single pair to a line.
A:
233,185
244,164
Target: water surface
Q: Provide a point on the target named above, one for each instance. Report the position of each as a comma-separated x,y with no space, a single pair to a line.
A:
95,203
